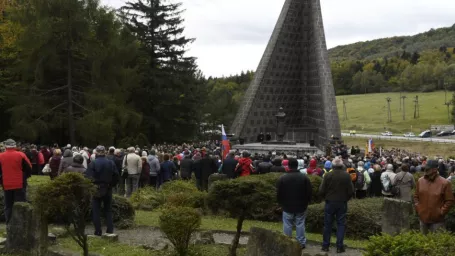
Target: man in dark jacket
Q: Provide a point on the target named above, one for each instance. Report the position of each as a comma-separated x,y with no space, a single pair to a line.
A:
337,189
208,167
277,167
15,168
186,166
105,176
229,165
264,166
294,195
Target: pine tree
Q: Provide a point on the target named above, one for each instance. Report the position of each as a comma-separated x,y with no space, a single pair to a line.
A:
170,89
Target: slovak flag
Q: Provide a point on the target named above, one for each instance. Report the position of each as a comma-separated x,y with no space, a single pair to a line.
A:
370,145
225,146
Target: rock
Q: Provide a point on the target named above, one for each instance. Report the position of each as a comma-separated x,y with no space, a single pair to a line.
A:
217,177
27,231
51,238
110,237
395,216
204,238
157,245
264,242
2,241
59,231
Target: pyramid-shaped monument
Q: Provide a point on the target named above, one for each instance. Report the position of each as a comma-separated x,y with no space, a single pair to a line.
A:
294,73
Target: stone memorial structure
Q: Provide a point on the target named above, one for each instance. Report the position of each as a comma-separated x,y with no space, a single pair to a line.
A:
27,231
395,216
294,73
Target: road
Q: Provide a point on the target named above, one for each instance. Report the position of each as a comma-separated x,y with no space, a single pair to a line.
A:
433,139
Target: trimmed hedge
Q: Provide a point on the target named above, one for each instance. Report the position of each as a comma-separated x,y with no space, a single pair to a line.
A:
411,243
363,218
147,199
123,212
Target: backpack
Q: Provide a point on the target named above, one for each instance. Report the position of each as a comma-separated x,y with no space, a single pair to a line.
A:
360,182
353,174
386,184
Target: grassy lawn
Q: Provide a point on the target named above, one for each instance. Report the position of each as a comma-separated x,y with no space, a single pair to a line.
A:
368,113
97,245
144,218
425,148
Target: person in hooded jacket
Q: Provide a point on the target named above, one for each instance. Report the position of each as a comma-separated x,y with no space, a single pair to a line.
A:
54,163
313,168
66,161
245,165
155,168
277,167
327,168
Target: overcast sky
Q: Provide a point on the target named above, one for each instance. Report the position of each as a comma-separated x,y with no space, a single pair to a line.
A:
231,35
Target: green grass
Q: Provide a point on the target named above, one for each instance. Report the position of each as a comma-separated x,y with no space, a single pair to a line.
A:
103,247
429,149
367,113
37,180
144,218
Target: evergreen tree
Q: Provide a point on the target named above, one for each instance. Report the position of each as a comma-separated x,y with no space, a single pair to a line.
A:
170,88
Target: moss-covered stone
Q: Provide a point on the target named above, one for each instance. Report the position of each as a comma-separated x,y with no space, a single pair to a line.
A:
263,242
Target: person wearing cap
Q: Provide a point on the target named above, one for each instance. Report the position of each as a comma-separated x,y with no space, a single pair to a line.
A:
105,176
15,168
430,206
293,195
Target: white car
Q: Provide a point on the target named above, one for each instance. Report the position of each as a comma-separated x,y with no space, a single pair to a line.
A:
409,134
387,133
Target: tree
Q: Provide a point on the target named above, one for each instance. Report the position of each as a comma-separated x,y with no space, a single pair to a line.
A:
240,198
78,68
170,89
69,196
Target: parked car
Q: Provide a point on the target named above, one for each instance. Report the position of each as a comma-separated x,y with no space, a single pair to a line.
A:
444,133
409,134
425,134
387,133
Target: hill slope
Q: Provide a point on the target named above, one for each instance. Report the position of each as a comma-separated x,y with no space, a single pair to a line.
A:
386,47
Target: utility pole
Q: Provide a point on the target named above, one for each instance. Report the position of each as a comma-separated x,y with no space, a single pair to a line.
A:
344,110
404,109
401,97
389,114
448,110
416,107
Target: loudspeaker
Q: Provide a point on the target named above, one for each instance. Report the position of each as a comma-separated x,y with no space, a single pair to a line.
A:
312,143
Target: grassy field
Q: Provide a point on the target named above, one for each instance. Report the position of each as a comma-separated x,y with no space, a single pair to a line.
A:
425,148
368,113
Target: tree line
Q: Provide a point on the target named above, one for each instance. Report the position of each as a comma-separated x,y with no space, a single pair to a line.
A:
75,71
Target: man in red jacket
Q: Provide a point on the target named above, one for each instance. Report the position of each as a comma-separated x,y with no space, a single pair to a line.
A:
14,170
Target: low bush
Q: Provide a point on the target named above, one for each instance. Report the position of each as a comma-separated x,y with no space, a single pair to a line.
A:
147,199
411,243
179,223
315,184
363,218
122,212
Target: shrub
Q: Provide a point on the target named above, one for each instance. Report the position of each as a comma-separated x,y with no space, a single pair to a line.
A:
122,212
418,175
315,183
147,199
179,186
411,243
179,223
363,218
69,196
450,218
240,198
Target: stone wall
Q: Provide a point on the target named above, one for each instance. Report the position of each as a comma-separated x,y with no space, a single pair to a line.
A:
263,242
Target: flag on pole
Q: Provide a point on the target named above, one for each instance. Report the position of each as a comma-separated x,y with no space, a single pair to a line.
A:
370,145
225,146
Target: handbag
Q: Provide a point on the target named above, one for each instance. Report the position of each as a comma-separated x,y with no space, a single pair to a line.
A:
125,169
46,169
396,191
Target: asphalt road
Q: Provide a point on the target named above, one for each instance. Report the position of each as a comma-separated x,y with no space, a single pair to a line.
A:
443,140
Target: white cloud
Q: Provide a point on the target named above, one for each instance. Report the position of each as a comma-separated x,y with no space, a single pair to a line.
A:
231,35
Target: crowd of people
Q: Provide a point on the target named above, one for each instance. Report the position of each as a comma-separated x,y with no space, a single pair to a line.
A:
346,173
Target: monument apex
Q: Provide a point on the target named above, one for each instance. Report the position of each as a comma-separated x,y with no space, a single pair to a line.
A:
294,73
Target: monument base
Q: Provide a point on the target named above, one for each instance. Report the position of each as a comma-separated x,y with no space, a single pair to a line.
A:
274,142
297,149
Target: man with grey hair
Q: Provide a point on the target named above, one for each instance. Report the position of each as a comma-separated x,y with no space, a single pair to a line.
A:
155,168
386,179
132,163
337,189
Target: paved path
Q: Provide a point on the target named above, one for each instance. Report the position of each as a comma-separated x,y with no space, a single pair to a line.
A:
153,238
